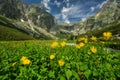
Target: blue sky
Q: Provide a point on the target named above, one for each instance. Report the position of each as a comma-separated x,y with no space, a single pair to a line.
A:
69,11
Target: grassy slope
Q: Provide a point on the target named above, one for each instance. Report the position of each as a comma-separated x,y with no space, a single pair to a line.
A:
9,32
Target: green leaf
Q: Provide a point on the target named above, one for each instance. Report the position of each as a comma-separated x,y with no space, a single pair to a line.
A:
51,74
87,73
95,73
62,77
83,67
108,66
75,74
68,74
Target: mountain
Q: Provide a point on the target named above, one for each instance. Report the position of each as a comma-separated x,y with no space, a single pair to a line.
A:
108,14
8,31
31,19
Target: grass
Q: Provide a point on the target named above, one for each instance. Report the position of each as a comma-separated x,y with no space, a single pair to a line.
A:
79,64
7,33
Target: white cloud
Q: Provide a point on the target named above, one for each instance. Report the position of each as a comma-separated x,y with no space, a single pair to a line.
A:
92,9
83,19
46,4
67,2
57,3
65,14
70,12
101,5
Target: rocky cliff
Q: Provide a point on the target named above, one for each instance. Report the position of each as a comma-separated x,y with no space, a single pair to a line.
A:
32,18
109,13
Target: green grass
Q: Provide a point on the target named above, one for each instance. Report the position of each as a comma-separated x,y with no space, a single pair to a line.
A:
7,33
80,64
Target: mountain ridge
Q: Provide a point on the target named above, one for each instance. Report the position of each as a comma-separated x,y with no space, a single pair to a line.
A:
107,14
32,19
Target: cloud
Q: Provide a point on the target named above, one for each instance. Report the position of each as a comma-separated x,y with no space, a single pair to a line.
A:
67,2
83,19
57,3
78,11
65,14
72,12
92,9
101,5
46,4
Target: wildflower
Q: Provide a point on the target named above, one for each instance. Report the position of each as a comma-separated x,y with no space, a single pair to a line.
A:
63,44
93,49
25,61
23,58
80,45
93,38
54,44
107,35
52,57
84,39
61,62
14,64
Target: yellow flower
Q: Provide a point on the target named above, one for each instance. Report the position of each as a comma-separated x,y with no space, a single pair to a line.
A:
84,39
23,58
93,38
80,45
93,49
54,44
63,44
61,62
52,57
25,61
107,35
14,64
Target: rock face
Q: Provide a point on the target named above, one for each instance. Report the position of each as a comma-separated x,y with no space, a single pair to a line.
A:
109,13
10,9
32,17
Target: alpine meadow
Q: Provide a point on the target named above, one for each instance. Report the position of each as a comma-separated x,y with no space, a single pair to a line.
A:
59,40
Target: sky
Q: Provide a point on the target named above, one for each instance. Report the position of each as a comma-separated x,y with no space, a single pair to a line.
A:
70,11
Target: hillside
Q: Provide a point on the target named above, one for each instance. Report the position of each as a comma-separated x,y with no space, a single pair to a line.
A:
9,32
108,14
114,28
30,19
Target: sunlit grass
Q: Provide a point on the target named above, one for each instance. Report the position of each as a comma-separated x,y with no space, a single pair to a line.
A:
48,59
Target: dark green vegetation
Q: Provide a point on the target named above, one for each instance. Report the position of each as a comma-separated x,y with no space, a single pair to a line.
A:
80,64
